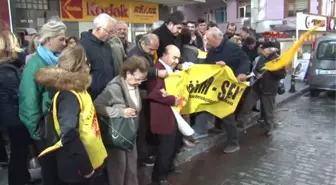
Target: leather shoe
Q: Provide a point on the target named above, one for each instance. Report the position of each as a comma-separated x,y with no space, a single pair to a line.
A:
175,170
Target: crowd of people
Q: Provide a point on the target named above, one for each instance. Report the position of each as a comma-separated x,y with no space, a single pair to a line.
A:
75,81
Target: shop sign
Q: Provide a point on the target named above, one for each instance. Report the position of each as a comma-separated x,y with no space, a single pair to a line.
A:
331,26
275,35
128,11
307,22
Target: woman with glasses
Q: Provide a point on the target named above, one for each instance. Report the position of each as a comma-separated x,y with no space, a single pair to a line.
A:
122,165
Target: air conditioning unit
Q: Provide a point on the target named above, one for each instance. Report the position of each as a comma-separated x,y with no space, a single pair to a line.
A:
242,11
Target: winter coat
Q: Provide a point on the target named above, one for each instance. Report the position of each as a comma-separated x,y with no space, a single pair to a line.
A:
34,99
269,82
199,43
166,38
99,55
72,158
232,55
190,53
152,71
119,53
10,76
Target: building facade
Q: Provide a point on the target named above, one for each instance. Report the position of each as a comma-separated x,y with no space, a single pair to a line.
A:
259,15
292,17
79,14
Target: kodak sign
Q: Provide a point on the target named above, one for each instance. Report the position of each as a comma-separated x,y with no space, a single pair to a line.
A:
128,11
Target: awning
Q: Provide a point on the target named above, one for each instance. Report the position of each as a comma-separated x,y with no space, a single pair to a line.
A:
283,27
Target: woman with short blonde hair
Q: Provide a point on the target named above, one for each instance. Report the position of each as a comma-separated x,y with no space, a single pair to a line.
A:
34,98
9,102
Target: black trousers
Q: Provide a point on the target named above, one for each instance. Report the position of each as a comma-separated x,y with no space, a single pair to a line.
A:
95,180
230,125
48,164
3,152
19,139
146,141
166,152
267,107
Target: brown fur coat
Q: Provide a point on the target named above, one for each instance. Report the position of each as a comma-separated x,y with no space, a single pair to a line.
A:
61,79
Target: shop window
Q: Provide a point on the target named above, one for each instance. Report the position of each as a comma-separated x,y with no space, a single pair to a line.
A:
221,15
243,9
294,6
32,4
328,8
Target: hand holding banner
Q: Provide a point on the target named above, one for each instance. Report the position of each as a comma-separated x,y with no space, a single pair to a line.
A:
286,58
203,87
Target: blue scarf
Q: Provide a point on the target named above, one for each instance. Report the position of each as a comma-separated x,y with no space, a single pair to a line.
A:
48,56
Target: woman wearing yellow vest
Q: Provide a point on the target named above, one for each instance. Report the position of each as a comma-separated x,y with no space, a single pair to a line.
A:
80,151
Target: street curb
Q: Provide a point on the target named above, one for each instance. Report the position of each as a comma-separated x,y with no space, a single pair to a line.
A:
215,139
293,97
281,103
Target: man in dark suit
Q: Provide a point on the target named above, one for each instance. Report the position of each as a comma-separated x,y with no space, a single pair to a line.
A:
162,119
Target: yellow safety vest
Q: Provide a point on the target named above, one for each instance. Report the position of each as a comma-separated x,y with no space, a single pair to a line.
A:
89,131
202,54
155,58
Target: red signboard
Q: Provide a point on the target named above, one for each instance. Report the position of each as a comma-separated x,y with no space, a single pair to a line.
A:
72,9
274,35
128,11
4,15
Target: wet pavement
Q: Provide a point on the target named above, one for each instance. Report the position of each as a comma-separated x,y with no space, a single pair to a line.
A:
301,151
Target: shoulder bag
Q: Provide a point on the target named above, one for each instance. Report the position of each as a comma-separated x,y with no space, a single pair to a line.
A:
119,132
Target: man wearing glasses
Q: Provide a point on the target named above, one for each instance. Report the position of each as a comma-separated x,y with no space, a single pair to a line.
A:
99,53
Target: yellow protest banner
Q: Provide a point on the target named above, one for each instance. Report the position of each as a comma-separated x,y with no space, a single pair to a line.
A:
287,57
203,87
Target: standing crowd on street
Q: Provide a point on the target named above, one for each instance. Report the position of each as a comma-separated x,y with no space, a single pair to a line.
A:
60,95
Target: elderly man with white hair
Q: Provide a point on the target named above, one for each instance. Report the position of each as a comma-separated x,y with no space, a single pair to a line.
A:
223,52
99,53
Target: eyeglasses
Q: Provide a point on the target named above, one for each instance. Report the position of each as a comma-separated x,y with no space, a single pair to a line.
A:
109,32
140,80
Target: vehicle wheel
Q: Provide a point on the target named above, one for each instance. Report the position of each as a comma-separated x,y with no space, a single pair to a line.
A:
314,93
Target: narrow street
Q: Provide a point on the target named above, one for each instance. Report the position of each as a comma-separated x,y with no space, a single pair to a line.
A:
301,151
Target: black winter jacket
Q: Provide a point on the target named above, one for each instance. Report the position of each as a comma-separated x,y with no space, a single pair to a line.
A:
73,161
99,55
189,53
166,38
269,82
10,76
232,55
